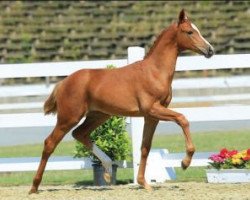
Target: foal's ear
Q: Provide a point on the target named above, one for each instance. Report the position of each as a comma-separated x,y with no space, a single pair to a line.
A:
182,16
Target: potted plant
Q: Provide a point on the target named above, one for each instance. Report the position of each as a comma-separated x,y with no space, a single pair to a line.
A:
229,167
112,138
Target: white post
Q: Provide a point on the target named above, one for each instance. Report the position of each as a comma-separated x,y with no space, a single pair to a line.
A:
136,133
136,54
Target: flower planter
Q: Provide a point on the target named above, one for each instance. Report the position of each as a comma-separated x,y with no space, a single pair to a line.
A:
98,172
228,175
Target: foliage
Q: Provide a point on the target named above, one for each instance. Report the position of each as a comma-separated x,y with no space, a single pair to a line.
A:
231,159
111,137
110,66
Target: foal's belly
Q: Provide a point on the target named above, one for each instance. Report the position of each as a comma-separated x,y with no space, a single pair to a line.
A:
110,102
115,108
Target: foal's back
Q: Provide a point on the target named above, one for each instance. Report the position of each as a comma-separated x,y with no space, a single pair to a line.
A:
112,91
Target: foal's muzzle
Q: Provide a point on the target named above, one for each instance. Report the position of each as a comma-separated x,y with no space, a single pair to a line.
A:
209,52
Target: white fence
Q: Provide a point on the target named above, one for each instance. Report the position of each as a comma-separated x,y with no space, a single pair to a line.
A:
163,161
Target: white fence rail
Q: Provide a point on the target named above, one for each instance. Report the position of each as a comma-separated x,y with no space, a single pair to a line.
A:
68,163
186,63
55,163
194,114
48,69
134,54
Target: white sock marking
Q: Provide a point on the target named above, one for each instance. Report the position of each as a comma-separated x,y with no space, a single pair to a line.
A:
106,161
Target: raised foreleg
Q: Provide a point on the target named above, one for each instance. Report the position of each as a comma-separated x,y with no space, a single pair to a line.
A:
160,112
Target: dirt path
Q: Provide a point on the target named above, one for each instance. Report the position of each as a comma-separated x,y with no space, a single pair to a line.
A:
171,191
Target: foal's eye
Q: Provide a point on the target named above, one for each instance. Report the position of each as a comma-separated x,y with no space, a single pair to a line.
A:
190,32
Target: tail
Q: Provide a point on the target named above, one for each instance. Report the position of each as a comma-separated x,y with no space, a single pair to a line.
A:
50,104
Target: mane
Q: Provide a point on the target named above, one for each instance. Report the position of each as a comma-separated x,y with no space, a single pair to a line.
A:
156,42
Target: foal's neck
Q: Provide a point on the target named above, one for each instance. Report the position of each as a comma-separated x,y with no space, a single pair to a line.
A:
164,52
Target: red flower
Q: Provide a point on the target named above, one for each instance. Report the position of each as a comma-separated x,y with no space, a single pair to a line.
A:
247,156
224,153
248,152
231,153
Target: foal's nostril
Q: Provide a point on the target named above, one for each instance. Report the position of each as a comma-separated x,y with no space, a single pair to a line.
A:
210,51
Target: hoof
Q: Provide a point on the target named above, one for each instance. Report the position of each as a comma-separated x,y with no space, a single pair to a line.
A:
107,177
33,191
184,165
108,171
148,187
145,185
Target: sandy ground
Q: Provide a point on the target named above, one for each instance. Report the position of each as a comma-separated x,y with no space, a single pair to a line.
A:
171,191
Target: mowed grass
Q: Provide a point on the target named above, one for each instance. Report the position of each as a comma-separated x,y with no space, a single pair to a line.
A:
210,141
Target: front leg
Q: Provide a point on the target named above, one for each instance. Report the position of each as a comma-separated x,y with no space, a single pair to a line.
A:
159,112
148,132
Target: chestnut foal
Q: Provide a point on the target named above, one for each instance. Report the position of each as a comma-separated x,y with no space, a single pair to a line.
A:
139,89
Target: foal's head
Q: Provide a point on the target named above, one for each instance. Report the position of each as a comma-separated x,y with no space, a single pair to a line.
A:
189,37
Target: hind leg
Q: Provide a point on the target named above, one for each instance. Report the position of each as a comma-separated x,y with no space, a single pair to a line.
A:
50,144
82,132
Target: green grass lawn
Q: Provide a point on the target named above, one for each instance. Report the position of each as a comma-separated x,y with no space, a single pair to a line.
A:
212,141
209,141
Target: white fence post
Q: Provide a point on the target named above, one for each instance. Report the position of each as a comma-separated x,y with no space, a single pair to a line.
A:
136,54
136,134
